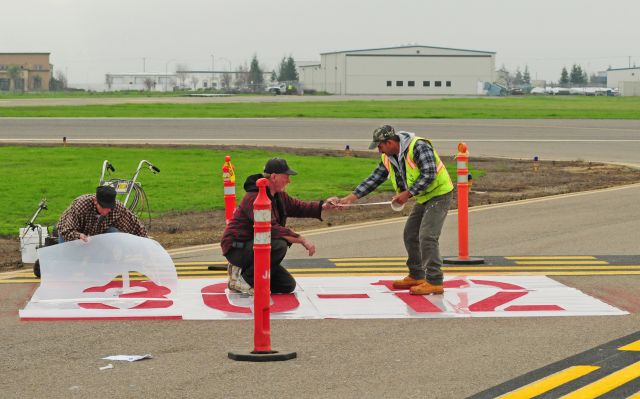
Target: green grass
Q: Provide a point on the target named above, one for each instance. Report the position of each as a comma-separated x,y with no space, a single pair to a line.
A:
190,179
568,107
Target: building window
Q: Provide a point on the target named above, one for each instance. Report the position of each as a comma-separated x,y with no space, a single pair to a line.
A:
388,83
411,83
426,83
438,83
448,83
399,83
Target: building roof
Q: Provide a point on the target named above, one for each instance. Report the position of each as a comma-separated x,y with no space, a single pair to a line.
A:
410,46
622,69
25,53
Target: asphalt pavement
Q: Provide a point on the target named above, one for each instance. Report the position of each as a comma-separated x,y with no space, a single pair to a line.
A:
421,358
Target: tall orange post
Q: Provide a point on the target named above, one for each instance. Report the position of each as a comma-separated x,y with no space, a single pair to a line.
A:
261,283
229,181
463,210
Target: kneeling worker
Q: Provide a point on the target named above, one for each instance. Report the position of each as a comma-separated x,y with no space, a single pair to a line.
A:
91,214
237,240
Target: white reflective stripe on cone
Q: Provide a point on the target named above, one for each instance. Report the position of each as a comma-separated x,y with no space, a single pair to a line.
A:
463,178
262,216
229,190
262,238
462,165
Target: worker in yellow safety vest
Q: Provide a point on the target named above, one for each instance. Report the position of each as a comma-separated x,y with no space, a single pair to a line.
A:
415,170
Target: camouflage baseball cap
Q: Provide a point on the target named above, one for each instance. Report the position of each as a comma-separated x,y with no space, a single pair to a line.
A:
380,134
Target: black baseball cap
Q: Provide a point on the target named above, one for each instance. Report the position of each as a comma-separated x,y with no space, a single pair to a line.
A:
106,196
278,165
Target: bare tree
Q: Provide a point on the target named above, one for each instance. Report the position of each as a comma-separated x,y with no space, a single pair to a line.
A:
181,72
226,80
242,76
15,74
194,81
108,80
62,80
149,83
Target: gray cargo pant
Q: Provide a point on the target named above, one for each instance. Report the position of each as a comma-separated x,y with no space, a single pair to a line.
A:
421,235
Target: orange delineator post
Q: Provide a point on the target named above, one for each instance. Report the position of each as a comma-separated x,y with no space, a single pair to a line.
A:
229,181
463,201
463,209
262,269
262,283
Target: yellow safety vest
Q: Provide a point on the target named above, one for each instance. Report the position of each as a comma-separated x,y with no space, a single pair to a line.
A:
439,186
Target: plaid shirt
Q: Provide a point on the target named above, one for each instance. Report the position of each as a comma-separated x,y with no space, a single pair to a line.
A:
83,217
240,228
423,157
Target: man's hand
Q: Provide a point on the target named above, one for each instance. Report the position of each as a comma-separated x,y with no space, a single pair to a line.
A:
84,237
348,199
401,198
331,203
309,247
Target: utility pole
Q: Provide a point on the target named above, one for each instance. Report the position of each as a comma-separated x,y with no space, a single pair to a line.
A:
143,64
212,73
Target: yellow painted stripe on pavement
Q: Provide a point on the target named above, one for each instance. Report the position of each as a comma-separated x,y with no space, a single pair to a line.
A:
634,396
604,267
365,259
548,383
198,263
606,384
562,262
548,257
634,346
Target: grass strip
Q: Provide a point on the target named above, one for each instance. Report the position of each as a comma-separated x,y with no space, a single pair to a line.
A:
190,179
545,107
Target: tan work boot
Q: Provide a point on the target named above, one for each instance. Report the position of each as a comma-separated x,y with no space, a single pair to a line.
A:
407,282
426,289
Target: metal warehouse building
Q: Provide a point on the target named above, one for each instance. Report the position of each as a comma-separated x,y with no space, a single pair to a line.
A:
417,70
627,80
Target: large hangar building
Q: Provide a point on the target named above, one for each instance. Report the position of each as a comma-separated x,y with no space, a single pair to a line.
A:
405,70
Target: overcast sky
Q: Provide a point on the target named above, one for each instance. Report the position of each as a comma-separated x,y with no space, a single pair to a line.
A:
88,38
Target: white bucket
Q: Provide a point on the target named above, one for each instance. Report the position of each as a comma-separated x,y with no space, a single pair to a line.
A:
30,241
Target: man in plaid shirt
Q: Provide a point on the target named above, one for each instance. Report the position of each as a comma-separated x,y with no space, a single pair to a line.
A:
415,170
91,214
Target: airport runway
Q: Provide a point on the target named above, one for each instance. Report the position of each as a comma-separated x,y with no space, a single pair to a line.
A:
429,358
590,140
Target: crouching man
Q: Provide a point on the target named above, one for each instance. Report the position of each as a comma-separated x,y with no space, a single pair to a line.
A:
237,240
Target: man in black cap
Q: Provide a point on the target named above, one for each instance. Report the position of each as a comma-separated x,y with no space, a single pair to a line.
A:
237,240
91,214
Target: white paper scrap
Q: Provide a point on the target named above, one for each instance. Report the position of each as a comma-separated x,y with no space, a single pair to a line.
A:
107,367
128,358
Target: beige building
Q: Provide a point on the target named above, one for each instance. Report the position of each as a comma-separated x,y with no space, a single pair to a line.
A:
34,74
410,70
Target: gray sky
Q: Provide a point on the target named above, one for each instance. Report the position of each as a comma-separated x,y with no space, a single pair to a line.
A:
88,38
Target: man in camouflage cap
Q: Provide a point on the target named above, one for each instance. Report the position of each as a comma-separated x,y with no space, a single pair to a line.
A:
415,170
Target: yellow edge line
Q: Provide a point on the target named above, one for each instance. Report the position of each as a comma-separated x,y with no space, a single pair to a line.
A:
634,346
548,383
547,257
606,384
563,262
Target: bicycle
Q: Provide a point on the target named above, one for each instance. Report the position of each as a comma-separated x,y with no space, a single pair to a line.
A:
128,187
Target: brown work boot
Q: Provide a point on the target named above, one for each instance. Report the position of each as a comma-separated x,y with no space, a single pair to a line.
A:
426,288
407,282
